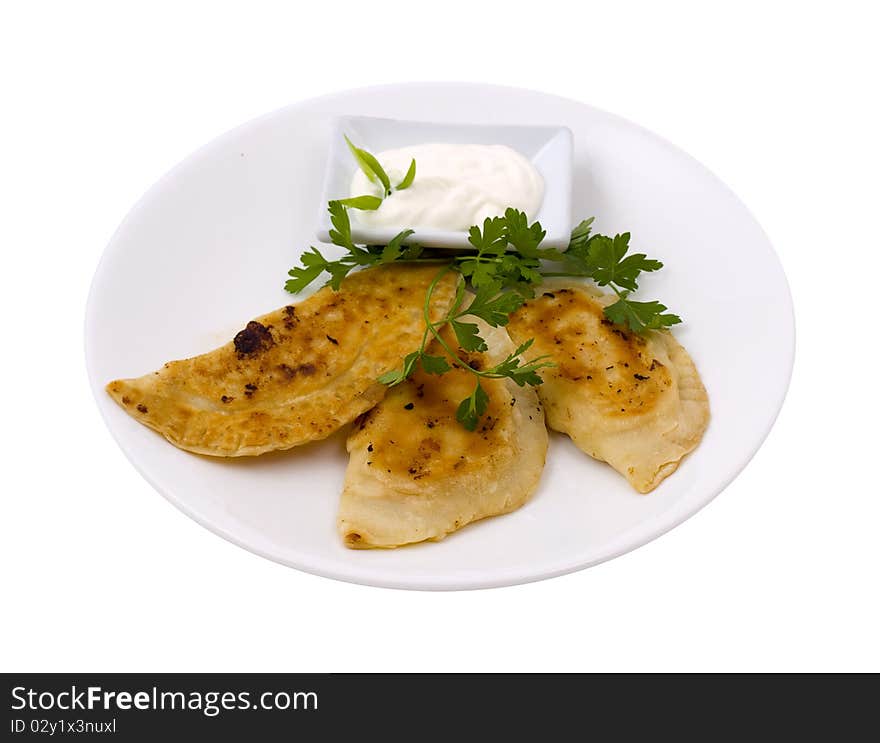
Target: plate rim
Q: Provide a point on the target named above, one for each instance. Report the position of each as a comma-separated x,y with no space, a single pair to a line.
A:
627,542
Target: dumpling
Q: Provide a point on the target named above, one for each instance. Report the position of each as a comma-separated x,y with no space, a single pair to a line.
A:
295,375
416,473
632,401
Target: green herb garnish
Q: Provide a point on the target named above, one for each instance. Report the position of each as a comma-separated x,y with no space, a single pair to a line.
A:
373,169
489,309
370,165
409,177
314,263
505,266
368,203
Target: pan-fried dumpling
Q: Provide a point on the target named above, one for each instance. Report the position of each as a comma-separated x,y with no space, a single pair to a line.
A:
416,473
634,402
295,375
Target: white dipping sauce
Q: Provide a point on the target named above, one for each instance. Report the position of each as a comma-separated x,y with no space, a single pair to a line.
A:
456,186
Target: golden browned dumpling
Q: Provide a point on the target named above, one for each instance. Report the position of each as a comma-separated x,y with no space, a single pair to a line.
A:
416,473
295,375
634,402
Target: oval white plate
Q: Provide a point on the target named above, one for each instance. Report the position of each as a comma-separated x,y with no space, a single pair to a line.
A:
208,248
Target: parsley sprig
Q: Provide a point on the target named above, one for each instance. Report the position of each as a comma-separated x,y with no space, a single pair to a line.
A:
506,265
314,263
605,260
494,310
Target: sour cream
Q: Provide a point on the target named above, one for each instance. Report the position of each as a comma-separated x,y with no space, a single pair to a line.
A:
456,186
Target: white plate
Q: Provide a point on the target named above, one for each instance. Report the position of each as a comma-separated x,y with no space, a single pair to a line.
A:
548,147
208,247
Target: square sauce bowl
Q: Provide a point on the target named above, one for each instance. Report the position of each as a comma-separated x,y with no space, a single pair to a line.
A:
549,148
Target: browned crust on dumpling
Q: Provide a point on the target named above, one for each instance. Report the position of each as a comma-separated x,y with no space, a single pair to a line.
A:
633,401
295,375
417,474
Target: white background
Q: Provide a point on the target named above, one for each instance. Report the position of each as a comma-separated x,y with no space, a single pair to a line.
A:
99,572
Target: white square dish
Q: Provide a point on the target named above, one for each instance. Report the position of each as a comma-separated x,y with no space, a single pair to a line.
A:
548,147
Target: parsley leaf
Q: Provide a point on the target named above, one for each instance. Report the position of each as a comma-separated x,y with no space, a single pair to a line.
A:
468,335
434,364
627,270
491,244
493,307
606,257
314,264
523,347
640,316
396,376
472,408
520,372
580,235
525,237
480,273
523,374
341,234
492,239
394,249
